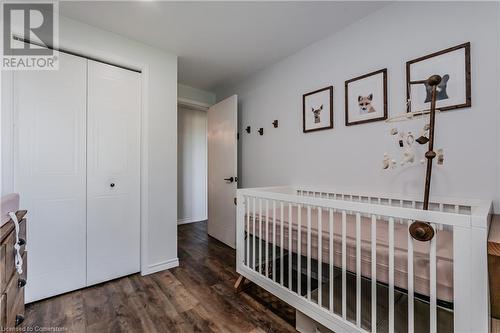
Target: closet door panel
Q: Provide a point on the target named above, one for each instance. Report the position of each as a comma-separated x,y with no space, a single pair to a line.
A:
113,181
50,173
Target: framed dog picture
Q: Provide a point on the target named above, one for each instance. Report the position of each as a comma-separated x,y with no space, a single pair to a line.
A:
366,98
317,110
454,91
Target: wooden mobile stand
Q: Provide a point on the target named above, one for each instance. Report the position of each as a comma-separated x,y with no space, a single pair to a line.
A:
419,230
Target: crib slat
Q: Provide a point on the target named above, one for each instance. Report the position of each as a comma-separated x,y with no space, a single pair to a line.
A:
374,272
290,246
273,273
331,245
391,275
320,259
309,253
282,222
344,263
253,234
432,296
410,283
247,201
260,235
358,269
299,249
266,258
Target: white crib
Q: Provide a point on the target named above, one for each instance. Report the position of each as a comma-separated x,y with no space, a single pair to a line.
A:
351,248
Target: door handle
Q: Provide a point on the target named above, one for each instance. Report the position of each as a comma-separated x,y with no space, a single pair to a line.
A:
229,180
112,185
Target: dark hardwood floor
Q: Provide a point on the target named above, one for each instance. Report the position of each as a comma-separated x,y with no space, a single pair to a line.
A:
197,296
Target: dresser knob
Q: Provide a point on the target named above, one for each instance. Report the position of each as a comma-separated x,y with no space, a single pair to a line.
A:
19,319
21,283
21,242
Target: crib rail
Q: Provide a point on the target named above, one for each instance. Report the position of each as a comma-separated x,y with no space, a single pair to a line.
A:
320,253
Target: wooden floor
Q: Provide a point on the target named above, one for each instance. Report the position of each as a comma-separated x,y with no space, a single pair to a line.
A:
195,297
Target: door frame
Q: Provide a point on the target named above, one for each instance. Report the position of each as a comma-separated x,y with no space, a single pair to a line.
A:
109,58
191,104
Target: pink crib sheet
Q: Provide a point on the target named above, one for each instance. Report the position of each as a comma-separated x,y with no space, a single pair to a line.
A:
444,252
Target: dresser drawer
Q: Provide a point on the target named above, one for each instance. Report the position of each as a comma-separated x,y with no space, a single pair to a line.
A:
3,312
9,242
3,268
15,297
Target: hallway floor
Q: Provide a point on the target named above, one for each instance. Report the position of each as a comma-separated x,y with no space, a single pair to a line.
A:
197,296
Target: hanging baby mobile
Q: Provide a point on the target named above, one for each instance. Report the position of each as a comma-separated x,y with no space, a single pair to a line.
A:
406,143
419,230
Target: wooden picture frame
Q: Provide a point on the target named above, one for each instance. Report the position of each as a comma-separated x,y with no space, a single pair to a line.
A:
464,86
372,94
311,112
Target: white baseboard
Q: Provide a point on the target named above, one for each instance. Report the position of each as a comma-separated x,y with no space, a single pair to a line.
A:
187,220
161,266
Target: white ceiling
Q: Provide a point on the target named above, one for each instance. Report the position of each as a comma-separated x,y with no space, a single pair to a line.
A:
221,42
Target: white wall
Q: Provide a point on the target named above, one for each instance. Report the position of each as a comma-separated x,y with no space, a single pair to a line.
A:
191,165
7,134
160,101
352,157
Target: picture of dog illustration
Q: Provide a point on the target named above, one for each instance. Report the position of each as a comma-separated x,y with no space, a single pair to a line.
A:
365,104
317,110
366,98
440,90
316,113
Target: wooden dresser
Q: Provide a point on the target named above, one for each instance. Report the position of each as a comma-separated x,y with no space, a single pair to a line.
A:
11,283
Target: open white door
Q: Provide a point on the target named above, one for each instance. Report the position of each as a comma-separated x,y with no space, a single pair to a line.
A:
222,170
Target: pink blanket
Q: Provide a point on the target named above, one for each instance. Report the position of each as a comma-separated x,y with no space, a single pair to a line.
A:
444,240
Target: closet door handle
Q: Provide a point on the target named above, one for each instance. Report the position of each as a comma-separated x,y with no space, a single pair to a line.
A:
229,180
112,185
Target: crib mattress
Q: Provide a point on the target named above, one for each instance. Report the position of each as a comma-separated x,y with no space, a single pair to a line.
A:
444,248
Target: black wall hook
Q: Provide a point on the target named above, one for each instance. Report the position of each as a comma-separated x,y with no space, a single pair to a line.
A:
261,131
248,129
275,123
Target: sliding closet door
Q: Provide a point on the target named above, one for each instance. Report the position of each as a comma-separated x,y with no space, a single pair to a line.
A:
49,173
113,166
